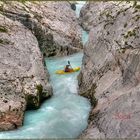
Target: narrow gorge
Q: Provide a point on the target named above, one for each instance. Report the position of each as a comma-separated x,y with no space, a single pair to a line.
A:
37,38
65,114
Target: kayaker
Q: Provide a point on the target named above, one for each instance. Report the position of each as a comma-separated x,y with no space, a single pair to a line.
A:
67,67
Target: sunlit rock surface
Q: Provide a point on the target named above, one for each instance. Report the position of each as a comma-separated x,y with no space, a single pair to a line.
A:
111,69
23,79
53,23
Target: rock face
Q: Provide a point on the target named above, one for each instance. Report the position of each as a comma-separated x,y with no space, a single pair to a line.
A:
53,23
25,29
23,79
110,75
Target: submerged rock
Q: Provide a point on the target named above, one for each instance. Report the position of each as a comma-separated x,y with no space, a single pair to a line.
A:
110,73
23,79
73,5
53,23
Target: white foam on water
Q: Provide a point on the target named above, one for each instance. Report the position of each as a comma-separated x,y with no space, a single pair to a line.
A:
79,5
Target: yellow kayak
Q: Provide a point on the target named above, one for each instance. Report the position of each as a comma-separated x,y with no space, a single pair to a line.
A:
63,72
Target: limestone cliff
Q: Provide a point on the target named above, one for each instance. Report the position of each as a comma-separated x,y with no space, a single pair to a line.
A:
53,23
23,79
110,75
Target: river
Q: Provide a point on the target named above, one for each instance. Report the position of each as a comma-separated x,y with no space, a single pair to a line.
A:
65,114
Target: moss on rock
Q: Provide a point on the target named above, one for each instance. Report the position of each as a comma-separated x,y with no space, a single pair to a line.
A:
3,29
4,41
39,88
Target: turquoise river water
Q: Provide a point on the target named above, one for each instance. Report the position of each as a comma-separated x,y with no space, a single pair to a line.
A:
65,114
78,9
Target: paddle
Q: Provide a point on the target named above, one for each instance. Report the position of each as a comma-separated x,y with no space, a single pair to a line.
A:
69,64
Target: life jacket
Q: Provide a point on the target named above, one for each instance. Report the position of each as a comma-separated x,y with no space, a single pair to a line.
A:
67,69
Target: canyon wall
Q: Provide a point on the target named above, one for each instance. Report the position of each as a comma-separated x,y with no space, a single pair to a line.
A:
23,78
110,76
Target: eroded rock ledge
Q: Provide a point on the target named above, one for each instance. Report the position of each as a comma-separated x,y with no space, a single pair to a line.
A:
111,69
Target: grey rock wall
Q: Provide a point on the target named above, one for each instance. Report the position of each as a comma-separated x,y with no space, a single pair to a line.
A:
110,76
53,23
23,78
